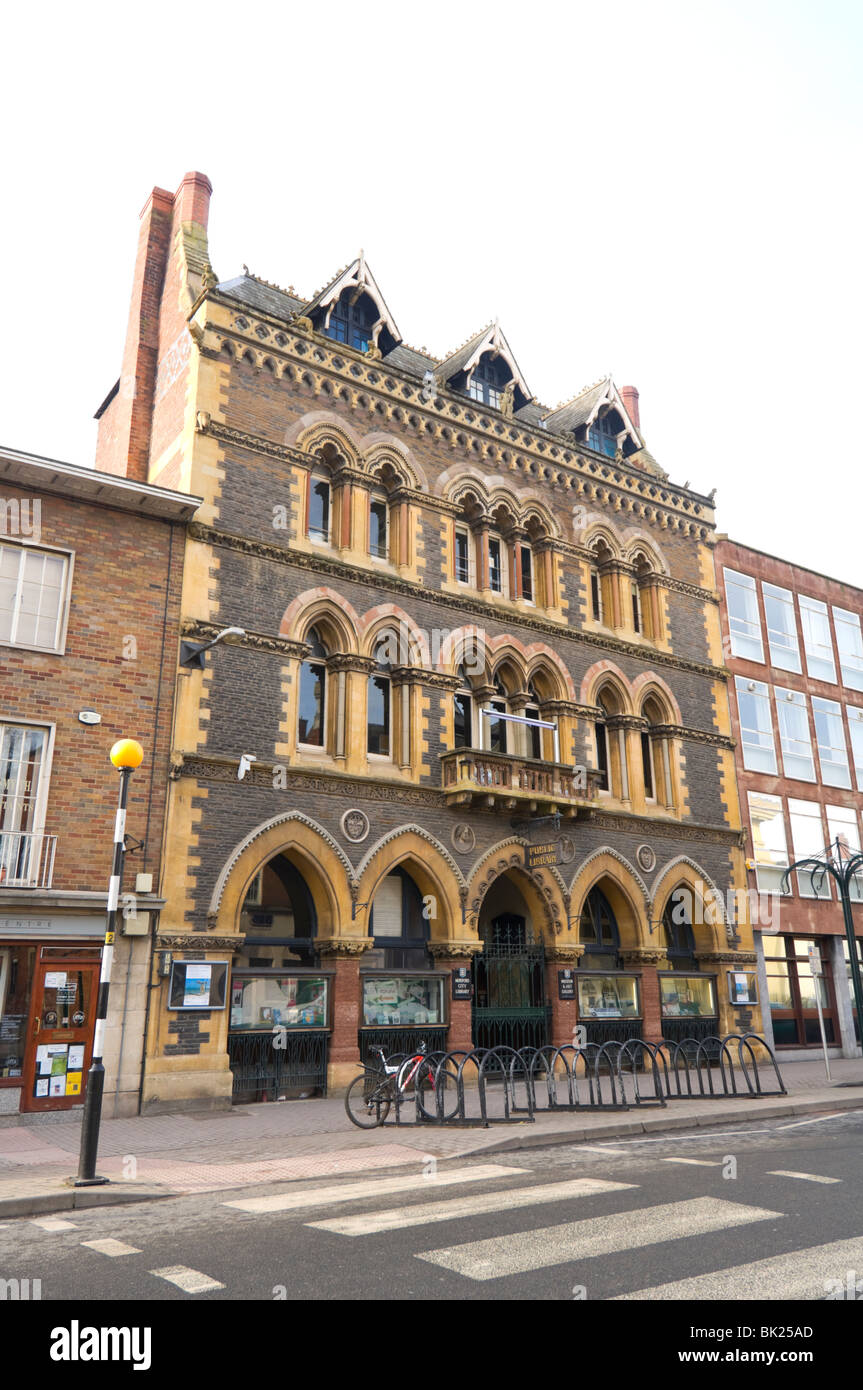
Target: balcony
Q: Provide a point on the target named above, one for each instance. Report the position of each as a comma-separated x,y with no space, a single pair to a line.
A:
500,781
26,859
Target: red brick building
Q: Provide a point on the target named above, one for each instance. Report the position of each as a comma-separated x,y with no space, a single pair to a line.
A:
90,576
794,644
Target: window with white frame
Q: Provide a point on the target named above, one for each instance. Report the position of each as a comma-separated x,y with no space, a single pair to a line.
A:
756,728
462,555
23,794
795,738
855,729
830,735
32,596
808,841
378,528
768,840
781,627
744,623
319,508
849,640
844,834
495,565
817,642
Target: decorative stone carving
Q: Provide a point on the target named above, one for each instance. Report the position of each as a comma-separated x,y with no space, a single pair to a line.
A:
738,958
205,941
463,838
564,955
355,826
646,858
455,950
346,946
644,955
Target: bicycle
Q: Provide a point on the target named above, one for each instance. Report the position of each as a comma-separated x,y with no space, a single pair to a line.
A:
370,1097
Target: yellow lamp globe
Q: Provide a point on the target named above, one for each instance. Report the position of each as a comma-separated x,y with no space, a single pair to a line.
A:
127,753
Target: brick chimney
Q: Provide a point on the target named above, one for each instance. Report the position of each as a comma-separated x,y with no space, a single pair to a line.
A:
630,400
166,264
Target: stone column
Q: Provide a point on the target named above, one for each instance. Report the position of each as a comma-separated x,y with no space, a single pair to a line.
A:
564,1012
831,950
343,954
450,955
648,961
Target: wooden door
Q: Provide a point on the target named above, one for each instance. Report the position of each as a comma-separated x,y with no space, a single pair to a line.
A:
60,1045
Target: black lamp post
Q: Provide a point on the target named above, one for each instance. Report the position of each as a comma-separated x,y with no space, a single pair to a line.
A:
126,755
842,869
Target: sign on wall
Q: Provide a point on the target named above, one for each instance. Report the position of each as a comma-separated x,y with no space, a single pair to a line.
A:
462,983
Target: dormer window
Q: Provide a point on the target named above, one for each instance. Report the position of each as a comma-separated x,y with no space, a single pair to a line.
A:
603,433
488,379
352,322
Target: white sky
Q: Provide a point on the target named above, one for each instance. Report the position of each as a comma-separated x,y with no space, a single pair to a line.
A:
670,191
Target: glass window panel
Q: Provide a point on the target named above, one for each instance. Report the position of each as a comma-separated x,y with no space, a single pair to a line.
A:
313,678
526,573
743,619
319,510
855,729
794,736
781,627
807,839
849,640
402,999
779,987
264,1002
462,721
690,996
842,826
32,584
378,529
461,557
495,572
608,996
756,728
830,734
773,945
379,716
817,642
768,840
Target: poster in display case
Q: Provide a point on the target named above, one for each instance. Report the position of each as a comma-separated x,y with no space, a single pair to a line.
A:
402,1000
261,1002
197,984
687,996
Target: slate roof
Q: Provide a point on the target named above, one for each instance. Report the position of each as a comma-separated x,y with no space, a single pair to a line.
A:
259,295
578,411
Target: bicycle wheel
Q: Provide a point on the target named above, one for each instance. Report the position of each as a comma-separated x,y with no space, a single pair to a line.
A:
437,1092
368,1100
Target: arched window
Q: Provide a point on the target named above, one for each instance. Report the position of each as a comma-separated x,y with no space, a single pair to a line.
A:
379,715
351,322
279,922
497,741
598,933
677,928
655,754
534,735
463,712
379,540
312,704
399,928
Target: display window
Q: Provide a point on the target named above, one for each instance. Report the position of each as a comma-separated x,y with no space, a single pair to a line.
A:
609,996
403,1000
688,996
792,991
16,982
261,1002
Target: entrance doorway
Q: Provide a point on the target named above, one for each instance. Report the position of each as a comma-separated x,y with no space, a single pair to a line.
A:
509,1004
60,1046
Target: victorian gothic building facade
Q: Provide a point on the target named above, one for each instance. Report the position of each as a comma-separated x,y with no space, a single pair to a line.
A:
459,763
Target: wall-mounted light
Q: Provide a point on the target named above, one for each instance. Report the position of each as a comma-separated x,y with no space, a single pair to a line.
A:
192,653
89,716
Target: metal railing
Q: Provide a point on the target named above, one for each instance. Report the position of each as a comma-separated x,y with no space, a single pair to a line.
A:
262,1070
26,858
502,1085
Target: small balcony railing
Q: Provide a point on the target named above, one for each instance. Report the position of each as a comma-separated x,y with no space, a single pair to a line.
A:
26,858
470,773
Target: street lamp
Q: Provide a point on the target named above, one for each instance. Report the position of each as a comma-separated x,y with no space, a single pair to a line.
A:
126,755
192,654
843,872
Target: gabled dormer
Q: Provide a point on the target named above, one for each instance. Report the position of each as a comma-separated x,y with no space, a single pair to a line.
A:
352,310
485,369
598,418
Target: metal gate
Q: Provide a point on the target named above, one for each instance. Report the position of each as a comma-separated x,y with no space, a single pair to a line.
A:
509,1004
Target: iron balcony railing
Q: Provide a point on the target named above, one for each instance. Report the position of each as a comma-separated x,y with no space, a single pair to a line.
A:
26,858
467,772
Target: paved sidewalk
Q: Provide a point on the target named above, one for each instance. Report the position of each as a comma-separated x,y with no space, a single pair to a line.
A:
168,1155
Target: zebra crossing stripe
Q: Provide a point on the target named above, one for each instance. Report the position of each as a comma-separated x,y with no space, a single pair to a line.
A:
475,1204
109,1246
376,1187
805,1177
189,1280
820,1272
583,1240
